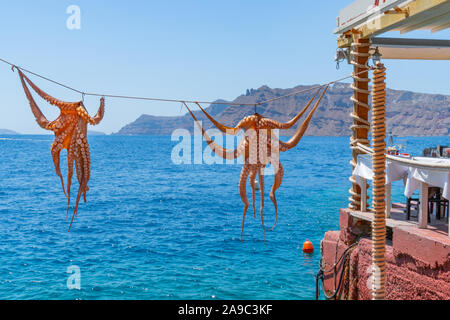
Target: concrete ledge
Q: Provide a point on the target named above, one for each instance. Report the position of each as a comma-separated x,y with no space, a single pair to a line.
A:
423,250
351,227
402,283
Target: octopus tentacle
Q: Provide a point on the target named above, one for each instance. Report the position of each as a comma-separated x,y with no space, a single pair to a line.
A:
221,127
243,124
87,170
38,115
80,191
100,113
222,152
243,192
274,124
78,165
81,110
70,162
84,174
284,146
71,159
56,151
49,98
252,176
276,185
261,192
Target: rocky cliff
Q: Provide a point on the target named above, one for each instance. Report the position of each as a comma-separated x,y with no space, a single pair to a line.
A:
408,113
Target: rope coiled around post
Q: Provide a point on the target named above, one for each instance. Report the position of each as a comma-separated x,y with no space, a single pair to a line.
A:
379,181
358,121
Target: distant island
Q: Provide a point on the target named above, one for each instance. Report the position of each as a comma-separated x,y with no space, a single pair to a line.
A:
7,131
90,132
96,133
408,113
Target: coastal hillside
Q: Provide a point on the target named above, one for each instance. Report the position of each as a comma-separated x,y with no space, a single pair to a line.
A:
408,113
7,131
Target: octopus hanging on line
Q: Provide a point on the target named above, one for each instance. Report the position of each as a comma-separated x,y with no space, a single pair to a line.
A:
70,129
259,147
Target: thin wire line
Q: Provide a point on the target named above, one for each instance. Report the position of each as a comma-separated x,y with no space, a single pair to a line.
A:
179,100
315,87
38,75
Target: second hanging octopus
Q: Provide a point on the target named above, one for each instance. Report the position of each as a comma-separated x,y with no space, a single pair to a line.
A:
259,147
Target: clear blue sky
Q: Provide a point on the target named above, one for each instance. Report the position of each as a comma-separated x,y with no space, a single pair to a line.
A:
178,49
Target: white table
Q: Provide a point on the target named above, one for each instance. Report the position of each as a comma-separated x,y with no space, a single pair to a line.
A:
415,176
434,177
363,171
423,178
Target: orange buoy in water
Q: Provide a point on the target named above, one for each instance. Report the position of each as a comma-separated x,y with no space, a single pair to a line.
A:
308,246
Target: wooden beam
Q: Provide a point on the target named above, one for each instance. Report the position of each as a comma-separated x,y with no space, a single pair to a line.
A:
361,125
411,42
440,27
423,23
407,48
387,22
414,53
364,195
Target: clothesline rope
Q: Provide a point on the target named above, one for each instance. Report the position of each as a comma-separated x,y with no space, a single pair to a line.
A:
177,100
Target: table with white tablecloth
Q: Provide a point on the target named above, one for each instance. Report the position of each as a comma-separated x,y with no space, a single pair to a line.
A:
433,177
418,173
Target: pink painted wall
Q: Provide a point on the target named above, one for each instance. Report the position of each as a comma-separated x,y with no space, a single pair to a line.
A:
418,262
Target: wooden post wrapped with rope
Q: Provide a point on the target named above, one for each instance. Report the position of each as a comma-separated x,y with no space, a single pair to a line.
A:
361,125
379,181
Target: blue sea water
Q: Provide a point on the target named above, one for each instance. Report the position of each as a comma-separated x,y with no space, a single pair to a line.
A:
152,229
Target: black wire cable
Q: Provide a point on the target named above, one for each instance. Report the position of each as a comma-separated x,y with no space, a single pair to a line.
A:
178,100
320,277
